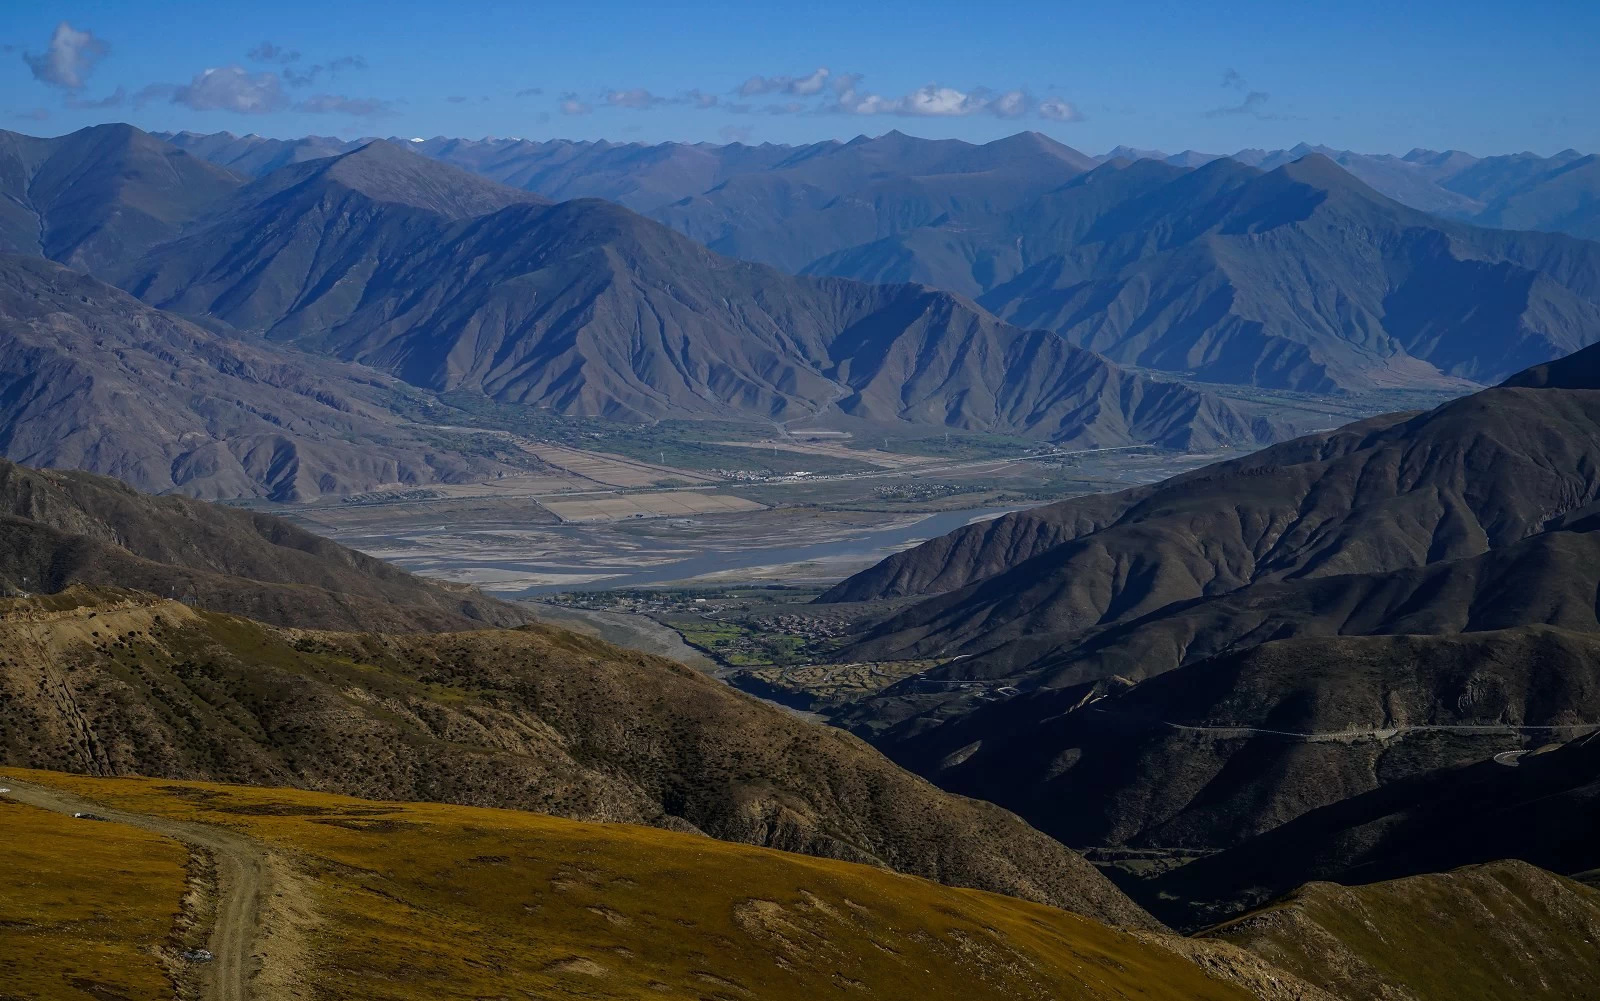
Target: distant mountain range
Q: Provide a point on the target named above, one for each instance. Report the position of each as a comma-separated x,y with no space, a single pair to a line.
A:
1278,269
1202,661
453,282
1516,191
1301,277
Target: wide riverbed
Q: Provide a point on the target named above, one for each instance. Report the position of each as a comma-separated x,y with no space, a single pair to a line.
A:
506,573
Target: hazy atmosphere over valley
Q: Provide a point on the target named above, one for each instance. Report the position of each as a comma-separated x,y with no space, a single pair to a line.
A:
711,502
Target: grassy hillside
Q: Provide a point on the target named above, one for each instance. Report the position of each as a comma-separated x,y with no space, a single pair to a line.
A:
88,909
535,719
1486,933
430,901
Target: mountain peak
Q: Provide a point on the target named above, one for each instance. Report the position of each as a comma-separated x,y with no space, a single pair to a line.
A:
388,172
1319,170
1032,143
1133,153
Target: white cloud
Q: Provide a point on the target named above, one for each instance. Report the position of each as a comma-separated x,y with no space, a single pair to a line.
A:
804,86
1057,110
808,85
235,89
825,92
935,101
69,60
232,88
1011,104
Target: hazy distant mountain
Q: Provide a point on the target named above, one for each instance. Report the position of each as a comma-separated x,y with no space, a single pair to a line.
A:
1555,194
647,178
1220,277
639,176
1564,198
824,200
252,155
91,378
100,196
396,261
1300,278
1188,654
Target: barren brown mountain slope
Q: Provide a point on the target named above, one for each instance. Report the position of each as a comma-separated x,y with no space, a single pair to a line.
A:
58,529
91,378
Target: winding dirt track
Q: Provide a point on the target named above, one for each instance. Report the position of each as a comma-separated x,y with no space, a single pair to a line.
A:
242,869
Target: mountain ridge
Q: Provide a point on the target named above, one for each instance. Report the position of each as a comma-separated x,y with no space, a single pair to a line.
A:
589,309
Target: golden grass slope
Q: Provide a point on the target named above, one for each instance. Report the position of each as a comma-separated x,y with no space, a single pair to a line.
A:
1503,931
426,901
86,908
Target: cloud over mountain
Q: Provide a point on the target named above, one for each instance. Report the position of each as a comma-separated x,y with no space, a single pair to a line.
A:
69,59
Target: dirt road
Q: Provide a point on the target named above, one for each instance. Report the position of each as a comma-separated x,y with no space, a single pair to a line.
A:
243,878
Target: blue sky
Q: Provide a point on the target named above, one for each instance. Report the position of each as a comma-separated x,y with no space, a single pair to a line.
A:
1375,77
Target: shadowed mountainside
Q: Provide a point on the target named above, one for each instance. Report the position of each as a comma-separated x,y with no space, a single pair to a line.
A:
1385,494
1226,748
1202,660
1542,807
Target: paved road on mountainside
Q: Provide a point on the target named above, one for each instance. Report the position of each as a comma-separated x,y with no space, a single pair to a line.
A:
1383,733
1342,736
241,866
